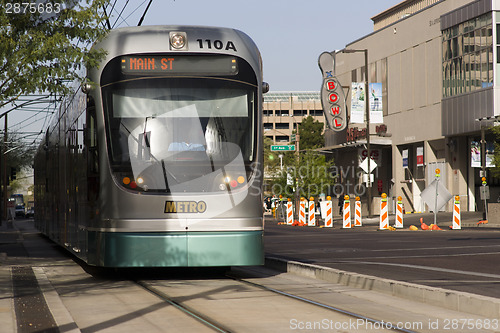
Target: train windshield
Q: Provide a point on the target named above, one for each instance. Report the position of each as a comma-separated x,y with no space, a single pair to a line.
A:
181,134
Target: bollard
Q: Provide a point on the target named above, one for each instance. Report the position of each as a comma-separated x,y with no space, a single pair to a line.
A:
302,212
399,213
357,215
289,212
347,212
329,213
312,212
384,214
456,214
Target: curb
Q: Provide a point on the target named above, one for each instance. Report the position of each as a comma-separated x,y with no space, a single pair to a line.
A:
484,306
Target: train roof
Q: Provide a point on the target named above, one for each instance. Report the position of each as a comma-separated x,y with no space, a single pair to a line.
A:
155,39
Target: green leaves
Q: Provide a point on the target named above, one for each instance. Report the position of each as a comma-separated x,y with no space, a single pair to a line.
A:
38,52
310,132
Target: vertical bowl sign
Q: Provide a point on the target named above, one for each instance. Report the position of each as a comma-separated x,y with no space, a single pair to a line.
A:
332,95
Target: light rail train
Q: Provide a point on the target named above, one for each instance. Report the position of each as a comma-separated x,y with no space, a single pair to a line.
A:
157,162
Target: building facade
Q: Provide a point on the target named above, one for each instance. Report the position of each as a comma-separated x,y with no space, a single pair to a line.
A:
283,111
438,63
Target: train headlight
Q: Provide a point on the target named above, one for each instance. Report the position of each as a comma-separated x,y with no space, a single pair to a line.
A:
222,187
178,40
140,181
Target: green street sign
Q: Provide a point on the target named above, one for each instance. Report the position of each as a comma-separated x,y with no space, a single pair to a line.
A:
283,148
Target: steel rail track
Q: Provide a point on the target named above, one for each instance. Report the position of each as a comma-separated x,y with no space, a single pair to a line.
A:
207,321
385,324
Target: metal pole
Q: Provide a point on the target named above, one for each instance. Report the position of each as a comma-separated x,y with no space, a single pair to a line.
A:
483,165
436,199
4,170
368,150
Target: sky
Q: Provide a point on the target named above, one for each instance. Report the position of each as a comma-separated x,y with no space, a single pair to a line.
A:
291,34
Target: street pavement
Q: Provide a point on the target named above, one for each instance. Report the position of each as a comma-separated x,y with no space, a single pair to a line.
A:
466,260
456,261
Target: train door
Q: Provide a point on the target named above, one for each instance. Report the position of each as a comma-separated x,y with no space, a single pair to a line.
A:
92,170
80,176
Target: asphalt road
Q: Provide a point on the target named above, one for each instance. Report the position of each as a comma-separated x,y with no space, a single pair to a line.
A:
465,260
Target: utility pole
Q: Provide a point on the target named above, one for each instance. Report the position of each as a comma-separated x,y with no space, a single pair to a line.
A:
4,172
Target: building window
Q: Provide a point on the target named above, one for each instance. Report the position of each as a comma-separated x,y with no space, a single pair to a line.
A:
299,113
468,56
316,113
267,112
282,138
283,113
268,126
282,125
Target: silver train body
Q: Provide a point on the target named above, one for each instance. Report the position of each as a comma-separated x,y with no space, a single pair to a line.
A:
158,162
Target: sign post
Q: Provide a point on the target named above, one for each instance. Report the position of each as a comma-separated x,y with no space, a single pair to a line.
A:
485,195
438,176
436,195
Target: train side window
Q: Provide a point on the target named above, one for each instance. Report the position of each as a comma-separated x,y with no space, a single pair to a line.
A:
92,151
91,140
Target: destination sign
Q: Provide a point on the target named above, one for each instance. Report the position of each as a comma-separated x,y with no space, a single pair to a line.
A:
179,65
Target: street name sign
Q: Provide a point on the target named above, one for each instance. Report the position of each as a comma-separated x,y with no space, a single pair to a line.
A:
283,148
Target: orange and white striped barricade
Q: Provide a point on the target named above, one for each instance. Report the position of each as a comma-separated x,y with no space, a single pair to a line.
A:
357,213
302,212
399,213
327,210
312,213
384,213
289,213
457,225
346,213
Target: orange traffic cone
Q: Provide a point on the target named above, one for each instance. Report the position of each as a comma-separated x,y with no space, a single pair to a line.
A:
435,227
423,225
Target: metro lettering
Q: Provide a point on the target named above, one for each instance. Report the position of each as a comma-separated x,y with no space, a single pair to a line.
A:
185,207
170,207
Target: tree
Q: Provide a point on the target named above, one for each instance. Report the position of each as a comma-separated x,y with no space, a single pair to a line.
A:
311,134
271,160
40,51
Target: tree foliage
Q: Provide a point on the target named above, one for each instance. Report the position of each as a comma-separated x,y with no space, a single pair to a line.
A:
311,173
311,134
38,53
